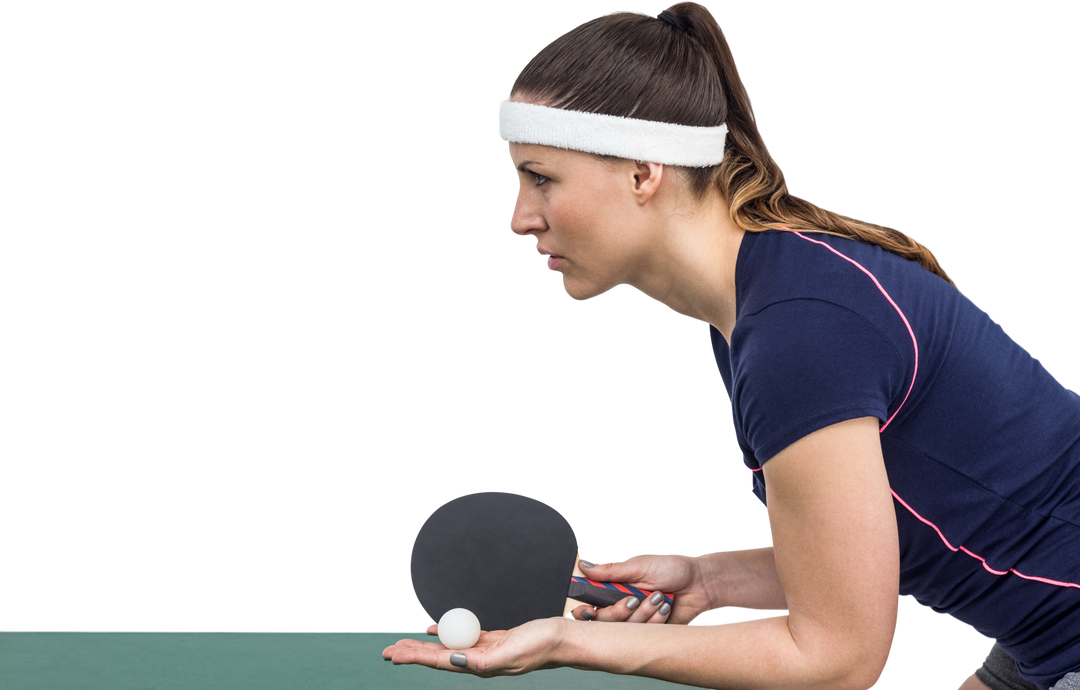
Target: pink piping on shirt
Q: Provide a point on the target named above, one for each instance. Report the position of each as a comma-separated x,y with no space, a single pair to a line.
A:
902,502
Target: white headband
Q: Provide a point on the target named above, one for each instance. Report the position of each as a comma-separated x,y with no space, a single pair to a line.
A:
608,135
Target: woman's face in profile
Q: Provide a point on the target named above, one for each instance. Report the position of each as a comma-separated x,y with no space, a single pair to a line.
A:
584,215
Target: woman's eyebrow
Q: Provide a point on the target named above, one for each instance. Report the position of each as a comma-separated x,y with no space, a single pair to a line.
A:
523,166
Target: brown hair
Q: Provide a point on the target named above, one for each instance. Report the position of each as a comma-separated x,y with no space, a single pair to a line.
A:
633,65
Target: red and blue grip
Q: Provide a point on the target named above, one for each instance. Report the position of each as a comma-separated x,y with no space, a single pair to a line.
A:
606,593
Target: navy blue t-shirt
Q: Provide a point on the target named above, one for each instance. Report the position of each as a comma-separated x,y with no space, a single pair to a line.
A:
981,444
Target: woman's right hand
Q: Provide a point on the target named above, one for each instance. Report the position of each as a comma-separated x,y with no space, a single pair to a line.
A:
677,575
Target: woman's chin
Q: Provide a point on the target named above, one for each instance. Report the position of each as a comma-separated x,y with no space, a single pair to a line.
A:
581,290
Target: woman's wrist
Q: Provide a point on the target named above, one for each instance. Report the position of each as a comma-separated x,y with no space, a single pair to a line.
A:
567,650
746,579
709,575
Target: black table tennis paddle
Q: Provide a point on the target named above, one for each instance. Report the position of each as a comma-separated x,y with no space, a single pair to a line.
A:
507,558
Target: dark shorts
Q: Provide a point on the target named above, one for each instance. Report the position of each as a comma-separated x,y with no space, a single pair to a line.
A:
999,672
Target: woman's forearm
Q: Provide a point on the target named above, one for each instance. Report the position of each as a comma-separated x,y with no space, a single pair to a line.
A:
747,579
752,655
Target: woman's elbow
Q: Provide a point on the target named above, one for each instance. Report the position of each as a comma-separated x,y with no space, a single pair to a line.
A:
862,667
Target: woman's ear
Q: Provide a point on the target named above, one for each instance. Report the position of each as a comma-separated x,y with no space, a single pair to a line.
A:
647,178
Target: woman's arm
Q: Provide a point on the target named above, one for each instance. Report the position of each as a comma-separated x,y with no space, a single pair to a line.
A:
837,558
747,579
751,655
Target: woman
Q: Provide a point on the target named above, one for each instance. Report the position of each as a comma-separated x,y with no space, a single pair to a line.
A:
902,442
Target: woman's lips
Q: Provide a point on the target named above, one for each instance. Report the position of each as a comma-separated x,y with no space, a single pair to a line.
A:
550,260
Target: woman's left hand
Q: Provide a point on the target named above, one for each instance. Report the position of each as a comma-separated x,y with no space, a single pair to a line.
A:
528,647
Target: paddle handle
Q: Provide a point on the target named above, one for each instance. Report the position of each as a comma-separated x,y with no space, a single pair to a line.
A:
605,593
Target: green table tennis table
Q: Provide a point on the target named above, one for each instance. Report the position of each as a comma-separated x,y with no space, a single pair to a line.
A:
250,661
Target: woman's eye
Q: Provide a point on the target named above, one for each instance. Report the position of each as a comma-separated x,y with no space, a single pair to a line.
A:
540,179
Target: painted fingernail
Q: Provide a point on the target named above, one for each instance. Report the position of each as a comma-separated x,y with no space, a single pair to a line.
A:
458,659
656,598
587,615
388,658
632,603
586,564
665,608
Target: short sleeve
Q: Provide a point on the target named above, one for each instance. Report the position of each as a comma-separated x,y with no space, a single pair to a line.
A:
801,365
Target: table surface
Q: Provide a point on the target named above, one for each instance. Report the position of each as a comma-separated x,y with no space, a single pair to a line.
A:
262,661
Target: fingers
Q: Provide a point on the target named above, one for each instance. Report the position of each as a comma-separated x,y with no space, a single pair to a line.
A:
647,610
409,651
630,609
653,609
624,570
410,644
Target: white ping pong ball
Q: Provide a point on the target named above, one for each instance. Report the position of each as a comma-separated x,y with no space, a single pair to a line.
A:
459,629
